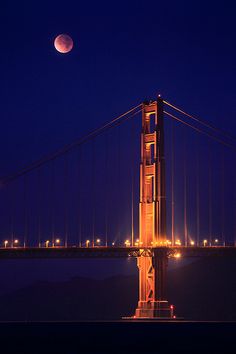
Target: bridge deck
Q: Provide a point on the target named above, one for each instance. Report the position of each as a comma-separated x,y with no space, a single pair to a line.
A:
113,252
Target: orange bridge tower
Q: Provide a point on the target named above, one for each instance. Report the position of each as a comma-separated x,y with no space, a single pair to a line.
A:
152,216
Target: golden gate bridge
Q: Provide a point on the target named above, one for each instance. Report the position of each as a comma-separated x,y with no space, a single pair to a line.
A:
98,198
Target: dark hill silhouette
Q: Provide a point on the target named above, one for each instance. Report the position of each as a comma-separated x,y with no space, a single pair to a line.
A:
203,290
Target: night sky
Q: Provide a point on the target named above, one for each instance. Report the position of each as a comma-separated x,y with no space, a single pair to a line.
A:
124,53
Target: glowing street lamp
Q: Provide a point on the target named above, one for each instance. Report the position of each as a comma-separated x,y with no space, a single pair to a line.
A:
98,241
6,243
16,243
127,243
216,241
47,243
177,243
87,243
57,242
177,255
192,243
205,242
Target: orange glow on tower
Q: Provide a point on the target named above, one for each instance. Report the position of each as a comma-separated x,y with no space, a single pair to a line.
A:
152,214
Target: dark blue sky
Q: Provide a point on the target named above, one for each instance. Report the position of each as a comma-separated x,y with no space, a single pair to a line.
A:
124,52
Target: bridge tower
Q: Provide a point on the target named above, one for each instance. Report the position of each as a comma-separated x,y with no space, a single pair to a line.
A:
152,215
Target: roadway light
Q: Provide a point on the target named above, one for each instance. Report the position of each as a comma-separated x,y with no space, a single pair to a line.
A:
6,243
216,240
87,243
113,244
177,255
192,243
98,241
57,241
204,242
47,243
127,243
178,243
16,242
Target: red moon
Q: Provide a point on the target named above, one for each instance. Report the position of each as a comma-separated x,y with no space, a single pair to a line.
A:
63,43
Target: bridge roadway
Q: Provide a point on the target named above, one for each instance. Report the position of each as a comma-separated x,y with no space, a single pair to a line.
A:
113,252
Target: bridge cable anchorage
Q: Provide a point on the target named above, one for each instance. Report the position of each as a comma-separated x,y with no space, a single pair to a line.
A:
206,124
112,124
201,131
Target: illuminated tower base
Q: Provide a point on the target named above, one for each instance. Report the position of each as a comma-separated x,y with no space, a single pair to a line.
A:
152,288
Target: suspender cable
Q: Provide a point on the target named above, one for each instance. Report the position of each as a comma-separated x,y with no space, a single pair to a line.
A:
53,202
210,195
94,193
132,210
197,196
39,206
66,199
26,212
185,196
172,186
119,185
223,197
79,196
132,181
106,192
234,204
12,206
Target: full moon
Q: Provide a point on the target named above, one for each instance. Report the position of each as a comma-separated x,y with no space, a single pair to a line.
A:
63,43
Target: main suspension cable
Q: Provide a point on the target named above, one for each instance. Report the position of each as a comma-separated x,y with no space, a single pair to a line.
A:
115,122
200,121
200,131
